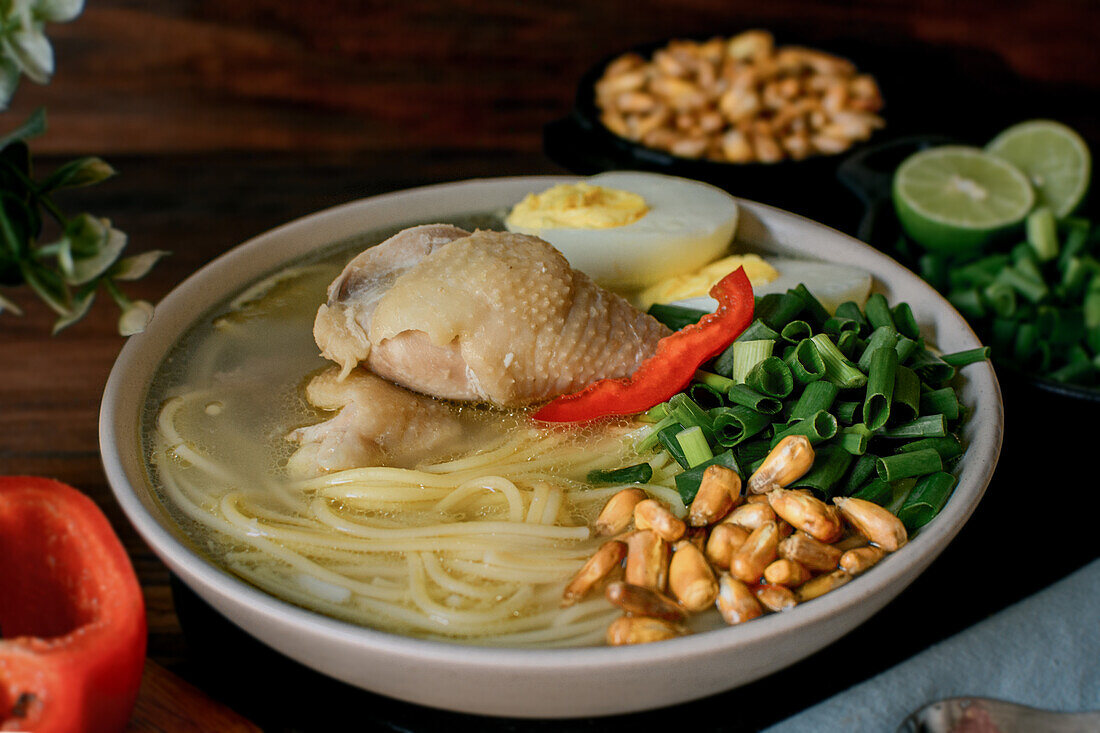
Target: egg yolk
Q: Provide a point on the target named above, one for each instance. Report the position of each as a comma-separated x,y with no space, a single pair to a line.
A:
697,284
578,206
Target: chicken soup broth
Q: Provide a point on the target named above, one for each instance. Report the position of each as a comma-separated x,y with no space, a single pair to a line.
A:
470,539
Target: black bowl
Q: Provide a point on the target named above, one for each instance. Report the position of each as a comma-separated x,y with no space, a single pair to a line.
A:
915,84
869,175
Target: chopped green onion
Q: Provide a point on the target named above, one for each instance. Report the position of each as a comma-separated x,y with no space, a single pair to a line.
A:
758,331
928,426
650,439
818,427
1042,233
746,355
732,425
812,305
948,446
805,362
926,500
741,394
667,438
639,473
796,331
779,309
861,471
964,358
850,343
851,311
690,415
816,397
907,396
880,387
905,321
695,446
838,325
876,490
930,368
909,465
830,465
771,377
878,312
655,414
838,370
675,316
943,401
846,411
855,439
881,337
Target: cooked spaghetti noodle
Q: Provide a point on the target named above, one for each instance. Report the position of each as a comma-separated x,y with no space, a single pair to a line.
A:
475,547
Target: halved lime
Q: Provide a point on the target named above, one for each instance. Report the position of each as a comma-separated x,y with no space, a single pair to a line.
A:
1053,157
955,198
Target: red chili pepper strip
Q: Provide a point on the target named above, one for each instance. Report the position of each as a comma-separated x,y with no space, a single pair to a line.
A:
671,368
72,616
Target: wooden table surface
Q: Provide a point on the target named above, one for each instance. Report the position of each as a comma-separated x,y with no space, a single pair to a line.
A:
226,119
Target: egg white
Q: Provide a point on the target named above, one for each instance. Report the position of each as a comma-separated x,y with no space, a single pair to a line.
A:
688,225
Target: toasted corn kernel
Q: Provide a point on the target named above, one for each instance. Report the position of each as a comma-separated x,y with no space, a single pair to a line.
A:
617,513
652,514
757,499
821,585
788,461
786,572
689,147
815,555
725,539
851,541
807,513
873,522
696,536
640,630
736,602
643,601
751,516
691,579
775,597
759,550
860,559
647,560
718,492
785,528
601,565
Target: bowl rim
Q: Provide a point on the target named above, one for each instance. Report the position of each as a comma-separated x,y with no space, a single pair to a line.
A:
120,446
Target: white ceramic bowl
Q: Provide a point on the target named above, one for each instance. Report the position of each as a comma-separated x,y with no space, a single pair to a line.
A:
523,682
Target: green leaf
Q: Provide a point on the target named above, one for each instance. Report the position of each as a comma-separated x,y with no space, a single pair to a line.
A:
86,269
33,127
15,167
138,266
80,172
48,285
15,226
31,50
80,306
9,81
7,305
58,11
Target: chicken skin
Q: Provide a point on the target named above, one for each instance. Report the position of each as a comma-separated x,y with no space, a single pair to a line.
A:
491,317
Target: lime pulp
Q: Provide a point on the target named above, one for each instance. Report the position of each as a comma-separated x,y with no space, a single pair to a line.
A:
1053,157
956,199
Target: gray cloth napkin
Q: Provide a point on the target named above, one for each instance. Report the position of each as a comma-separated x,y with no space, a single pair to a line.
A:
1044,651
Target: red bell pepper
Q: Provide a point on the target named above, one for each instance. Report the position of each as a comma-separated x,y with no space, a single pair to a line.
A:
72,616
671,368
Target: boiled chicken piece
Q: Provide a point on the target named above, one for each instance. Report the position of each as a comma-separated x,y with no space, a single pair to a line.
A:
490,317
380,424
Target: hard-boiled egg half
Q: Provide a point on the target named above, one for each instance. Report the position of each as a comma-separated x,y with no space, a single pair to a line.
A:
832,284
628,230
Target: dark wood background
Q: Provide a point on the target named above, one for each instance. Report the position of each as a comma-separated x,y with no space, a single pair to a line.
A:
227,118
